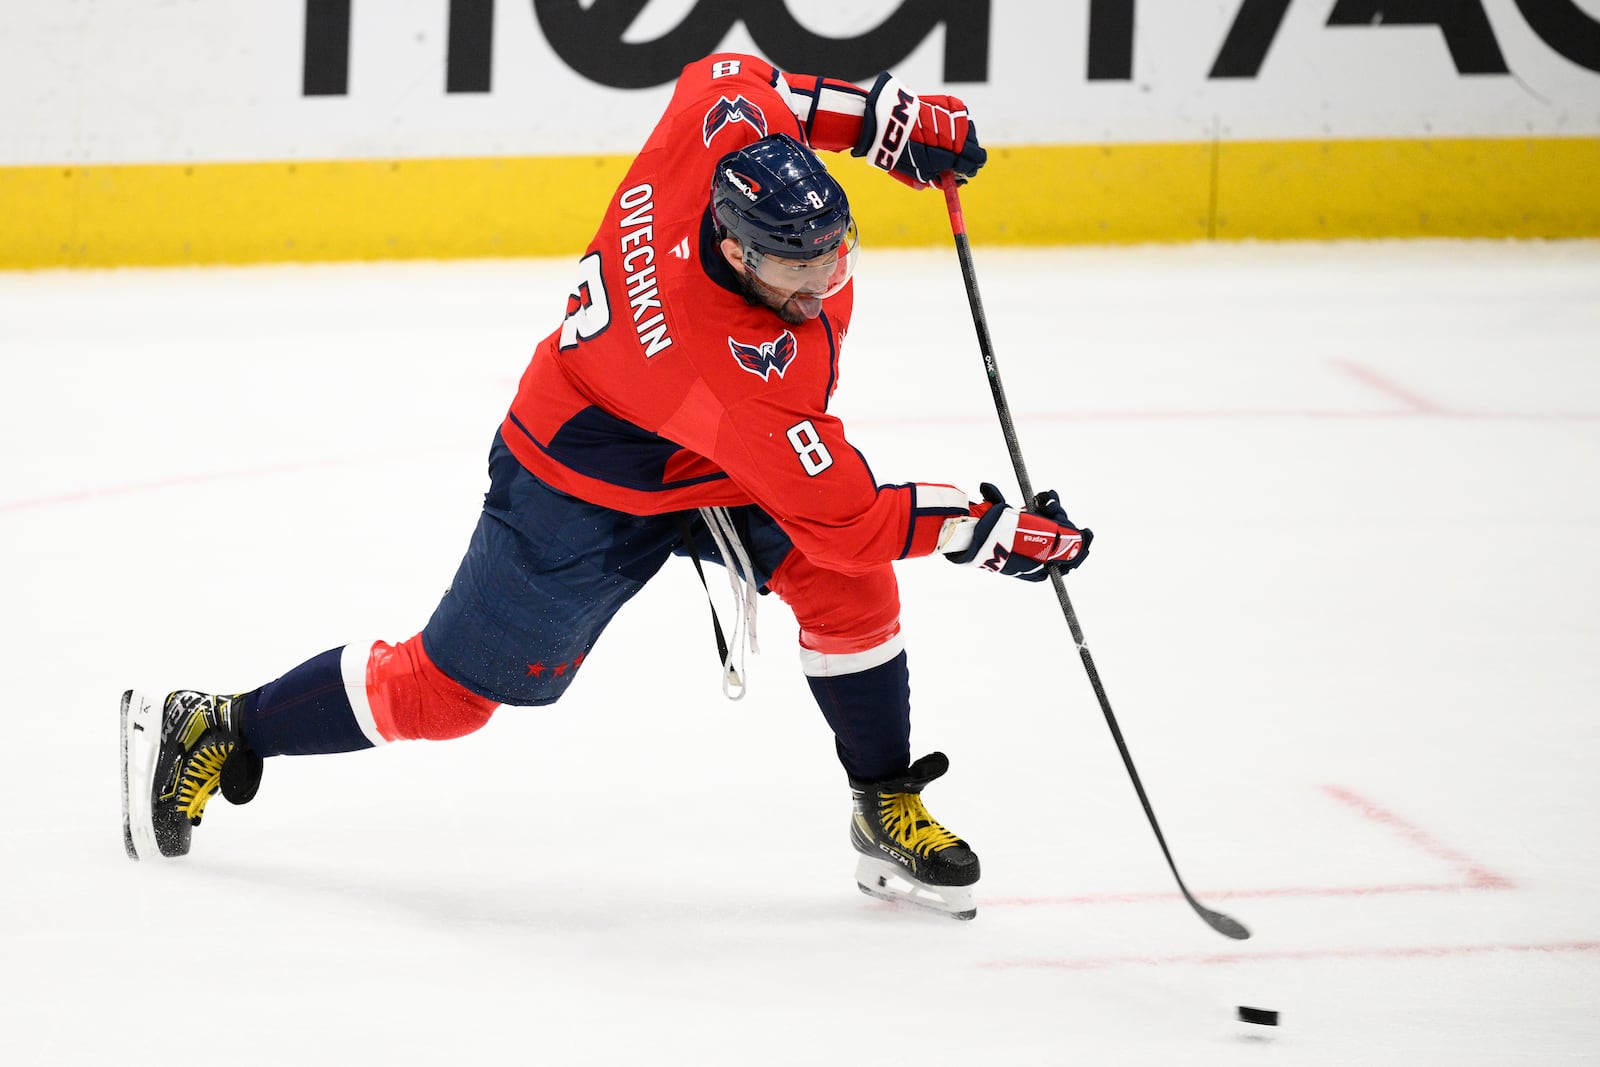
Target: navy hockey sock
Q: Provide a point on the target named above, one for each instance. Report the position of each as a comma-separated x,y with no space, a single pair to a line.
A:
306,711
870,713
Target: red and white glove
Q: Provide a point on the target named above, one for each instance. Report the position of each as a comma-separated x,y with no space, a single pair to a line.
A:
1022,543
916,139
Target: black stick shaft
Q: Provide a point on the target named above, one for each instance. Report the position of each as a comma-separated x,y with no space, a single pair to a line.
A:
1219,922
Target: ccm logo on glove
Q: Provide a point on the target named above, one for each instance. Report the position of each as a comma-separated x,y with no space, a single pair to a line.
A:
917,139
894,131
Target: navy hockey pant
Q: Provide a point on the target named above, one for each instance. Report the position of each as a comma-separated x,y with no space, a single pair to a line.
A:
543,576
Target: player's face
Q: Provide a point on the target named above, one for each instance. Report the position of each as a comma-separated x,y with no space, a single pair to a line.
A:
795,296
794,288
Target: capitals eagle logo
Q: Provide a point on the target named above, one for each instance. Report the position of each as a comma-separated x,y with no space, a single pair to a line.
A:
768,356
738,109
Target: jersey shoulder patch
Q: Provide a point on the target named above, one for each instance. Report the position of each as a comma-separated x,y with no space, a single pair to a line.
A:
725,112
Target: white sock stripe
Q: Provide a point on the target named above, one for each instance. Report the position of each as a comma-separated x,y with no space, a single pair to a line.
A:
353,666
832,665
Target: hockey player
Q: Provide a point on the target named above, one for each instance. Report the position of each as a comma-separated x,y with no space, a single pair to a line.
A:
680,407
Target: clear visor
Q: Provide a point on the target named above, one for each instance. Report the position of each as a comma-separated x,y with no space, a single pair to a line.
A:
820,277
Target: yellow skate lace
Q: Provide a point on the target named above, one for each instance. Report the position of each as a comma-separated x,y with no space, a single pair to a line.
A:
202,774
905,819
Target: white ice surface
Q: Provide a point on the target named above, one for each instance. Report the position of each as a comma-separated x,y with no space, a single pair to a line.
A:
1343,597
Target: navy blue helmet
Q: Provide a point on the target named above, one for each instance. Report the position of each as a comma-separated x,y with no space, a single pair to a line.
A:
775,197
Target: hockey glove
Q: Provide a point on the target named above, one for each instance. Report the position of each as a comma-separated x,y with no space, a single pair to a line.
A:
917,139
1021,543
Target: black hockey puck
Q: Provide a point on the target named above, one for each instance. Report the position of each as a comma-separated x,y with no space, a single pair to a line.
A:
1259,1016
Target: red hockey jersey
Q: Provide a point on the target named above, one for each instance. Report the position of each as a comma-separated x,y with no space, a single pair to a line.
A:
664,389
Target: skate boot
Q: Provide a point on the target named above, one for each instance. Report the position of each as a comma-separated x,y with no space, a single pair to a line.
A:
905,854
173,759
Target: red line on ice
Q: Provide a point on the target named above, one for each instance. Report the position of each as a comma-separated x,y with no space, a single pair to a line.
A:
1230,894
1411,412
1478,876
1475,875
1367,376
82,496
1091,963
1223,414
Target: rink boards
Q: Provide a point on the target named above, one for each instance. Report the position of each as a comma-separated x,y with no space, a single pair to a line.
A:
143,133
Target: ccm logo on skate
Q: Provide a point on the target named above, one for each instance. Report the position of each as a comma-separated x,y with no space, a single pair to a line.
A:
905,861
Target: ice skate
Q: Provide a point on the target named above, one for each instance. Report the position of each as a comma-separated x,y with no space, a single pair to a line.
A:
906,855
174,757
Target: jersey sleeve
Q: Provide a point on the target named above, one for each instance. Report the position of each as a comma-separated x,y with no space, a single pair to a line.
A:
830,111
803,471
826,113
727,101
794,461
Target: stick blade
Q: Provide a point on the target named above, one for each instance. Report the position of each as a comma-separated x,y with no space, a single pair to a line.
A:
1225,925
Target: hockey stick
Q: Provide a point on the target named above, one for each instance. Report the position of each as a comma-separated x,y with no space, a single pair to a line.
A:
1222,924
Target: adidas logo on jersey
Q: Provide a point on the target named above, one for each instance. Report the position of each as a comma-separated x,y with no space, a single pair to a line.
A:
681,249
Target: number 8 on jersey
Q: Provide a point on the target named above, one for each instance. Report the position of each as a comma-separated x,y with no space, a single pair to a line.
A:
814,455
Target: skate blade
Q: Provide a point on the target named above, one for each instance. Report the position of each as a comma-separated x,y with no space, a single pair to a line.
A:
888,881
141,740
